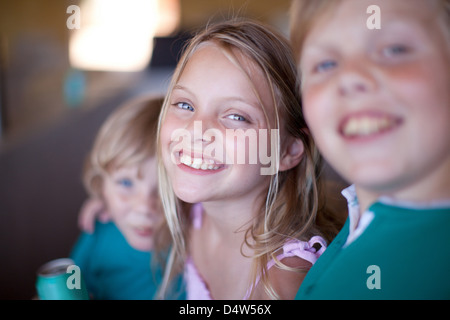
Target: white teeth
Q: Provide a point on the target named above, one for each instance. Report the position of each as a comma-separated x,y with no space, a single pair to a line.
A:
199,163
364,126
186,159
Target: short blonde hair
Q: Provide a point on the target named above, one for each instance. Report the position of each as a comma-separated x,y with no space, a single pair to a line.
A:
127,137
305,13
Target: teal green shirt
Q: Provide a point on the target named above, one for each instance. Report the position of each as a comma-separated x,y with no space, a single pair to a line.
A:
404,253
112,269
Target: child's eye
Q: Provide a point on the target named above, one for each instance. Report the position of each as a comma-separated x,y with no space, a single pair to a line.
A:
325,65
236,117
125,182
184,106
395,50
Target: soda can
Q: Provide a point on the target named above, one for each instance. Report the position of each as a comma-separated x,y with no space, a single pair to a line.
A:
60,279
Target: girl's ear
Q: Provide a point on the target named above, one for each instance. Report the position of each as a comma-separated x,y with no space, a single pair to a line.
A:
292,155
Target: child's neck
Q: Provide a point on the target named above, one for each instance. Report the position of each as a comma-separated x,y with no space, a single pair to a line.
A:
221,235
433,188
229,219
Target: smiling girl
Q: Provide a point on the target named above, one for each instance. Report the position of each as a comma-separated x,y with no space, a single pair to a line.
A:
248,234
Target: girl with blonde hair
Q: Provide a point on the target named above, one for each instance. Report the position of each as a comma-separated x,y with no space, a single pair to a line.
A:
254,227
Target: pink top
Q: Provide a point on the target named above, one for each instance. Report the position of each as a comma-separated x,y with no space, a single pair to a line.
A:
195,285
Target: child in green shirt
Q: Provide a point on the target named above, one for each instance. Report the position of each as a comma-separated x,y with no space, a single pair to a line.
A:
375,87
123,257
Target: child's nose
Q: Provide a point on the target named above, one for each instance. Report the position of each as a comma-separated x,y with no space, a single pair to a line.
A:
355,78
201,129
147,203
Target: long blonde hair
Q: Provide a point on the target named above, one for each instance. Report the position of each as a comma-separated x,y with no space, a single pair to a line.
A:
293,196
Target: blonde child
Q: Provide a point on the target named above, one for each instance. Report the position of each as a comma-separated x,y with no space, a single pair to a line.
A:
121,178
251,232
377,102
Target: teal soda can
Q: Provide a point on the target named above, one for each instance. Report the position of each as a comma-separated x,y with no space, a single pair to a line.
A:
60,279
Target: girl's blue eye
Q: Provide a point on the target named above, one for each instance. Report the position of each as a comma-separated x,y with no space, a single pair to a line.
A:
236,117
325,66
394,50
185,106
125,182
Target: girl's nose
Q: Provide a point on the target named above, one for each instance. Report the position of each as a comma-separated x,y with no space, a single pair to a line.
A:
355,78
202,130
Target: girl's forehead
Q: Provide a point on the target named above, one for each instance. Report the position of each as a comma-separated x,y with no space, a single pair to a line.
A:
348,27
358,13
234,54
246,68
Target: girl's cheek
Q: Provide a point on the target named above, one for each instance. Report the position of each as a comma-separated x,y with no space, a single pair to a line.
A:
311,103
117,201
122,198
167,128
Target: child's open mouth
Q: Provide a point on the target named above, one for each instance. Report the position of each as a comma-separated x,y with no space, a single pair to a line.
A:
144,231
199,163
368,125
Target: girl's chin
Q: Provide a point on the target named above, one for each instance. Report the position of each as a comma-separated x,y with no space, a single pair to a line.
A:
141,244
189,195
372,172
140,247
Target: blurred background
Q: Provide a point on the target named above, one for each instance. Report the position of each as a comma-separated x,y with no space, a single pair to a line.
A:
64,66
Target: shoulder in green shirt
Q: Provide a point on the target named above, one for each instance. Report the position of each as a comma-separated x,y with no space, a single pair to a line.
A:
403,254
112,269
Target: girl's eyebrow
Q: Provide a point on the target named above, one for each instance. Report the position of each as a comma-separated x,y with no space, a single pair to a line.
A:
181,87
319,47
124,170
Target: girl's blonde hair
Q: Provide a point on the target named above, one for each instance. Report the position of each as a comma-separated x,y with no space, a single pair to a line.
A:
126,138
293,196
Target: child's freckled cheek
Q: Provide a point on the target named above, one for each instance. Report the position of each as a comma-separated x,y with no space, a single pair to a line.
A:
317,100
123,199
119,204
411,82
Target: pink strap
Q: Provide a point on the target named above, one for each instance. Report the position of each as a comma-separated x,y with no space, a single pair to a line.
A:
196,215
301,249
196,288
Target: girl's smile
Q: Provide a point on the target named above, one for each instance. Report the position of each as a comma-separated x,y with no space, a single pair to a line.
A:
199,162
365,125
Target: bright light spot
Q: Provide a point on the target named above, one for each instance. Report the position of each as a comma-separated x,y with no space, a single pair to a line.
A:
115,35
